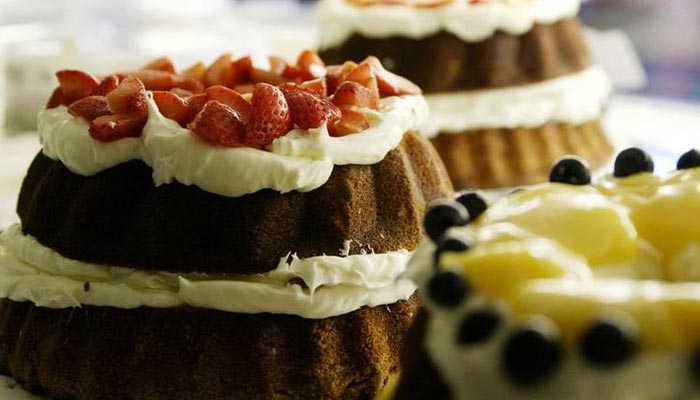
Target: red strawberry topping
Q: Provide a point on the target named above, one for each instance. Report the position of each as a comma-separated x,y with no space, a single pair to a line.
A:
389,83
109,128
107,85
353,94
161,64
269,117
170,105
232,99
308,110
219,124
128,97
90,107
57,98
76,84
351,121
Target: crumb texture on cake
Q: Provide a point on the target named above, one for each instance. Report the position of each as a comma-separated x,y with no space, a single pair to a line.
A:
118,217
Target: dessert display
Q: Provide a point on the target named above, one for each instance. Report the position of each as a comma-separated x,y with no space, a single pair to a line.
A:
566,290
238,230
510,83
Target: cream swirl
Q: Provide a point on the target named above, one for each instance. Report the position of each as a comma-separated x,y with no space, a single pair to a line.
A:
470,22
300,161
333,285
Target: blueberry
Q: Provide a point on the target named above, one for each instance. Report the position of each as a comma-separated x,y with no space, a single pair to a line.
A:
632,161
474,203
452,243
571,170
442,216
606,343
690,159
531,355
448,288
478,326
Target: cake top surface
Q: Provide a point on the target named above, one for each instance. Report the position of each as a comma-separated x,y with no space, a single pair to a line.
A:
291,121
471,21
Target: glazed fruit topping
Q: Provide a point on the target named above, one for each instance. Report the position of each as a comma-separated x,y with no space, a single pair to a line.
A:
474,203
442,216
257,103
478,326
572,171
448,289
606,343
632,161
690,159
531,355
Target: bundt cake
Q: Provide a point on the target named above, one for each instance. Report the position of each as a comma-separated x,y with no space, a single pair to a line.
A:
510,84
565,290
232,231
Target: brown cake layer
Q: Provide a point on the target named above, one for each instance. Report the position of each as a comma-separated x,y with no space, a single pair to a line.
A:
118,217
493,158
188,353
444,62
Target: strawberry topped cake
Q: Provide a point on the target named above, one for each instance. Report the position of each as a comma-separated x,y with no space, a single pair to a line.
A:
510,83
237,230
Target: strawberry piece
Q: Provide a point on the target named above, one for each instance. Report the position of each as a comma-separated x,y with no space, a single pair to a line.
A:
161,64
195,71
220,72
154,79
232,99
317,86
242,69
195,104
351,93
337,74
351,121
309,66
270,116
107,85
389,83
190,84
129,97
170,105
308,110
76,84
57,98
181,92
90,107
245,88
219,124
364,75
109,128
273,76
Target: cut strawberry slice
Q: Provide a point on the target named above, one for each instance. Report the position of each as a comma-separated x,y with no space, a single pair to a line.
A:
109,128
245,88
76,84
337,74
351,93
351,121
90,107
189,84
232,99
57,99
161,64
389,83
106,86
170,105
242,68
311,64
273,76
269,118
308,110
129,97
155,80
195,104
318,86
220,72
219,124
195,71
364,75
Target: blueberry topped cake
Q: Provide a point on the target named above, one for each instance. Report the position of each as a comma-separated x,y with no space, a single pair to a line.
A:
510,83
566,290
231,231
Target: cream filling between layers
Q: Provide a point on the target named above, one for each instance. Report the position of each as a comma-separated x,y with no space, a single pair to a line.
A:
300,161
335,285
572,99
340,19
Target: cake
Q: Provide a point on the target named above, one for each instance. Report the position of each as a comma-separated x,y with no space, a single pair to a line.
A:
510,83
231,231
565,290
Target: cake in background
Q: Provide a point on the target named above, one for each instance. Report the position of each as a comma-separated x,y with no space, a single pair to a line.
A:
237,230
510,84
564,290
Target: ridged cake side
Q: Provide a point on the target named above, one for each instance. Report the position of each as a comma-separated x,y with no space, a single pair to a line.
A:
443,62
188,353
492,158
118,217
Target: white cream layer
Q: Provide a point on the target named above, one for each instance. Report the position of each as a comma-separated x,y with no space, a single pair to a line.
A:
572,99
340,19
335,285
300,161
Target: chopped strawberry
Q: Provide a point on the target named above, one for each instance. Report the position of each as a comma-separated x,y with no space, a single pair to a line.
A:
76,84
389,83
364,75
242,69
232,99
129,97
170,105
107,85
220,72
57,99
154,79
161,64
273,76
195,71
184,93
309,110
190,84
351,93
318,86
245,88
269,118
109,128
309,66
90,107
337,74
195,103
219,124
351,121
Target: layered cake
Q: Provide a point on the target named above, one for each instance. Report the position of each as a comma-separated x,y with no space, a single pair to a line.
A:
566,290
232,231
510,83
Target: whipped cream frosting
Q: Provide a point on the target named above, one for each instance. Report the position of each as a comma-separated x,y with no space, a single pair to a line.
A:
471,22
572,99
333,285
300,161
